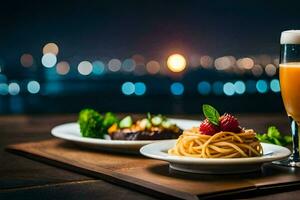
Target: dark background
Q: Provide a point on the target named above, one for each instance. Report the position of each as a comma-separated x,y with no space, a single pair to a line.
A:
103,30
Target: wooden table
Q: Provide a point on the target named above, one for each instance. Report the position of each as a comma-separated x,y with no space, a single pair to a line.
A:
22,178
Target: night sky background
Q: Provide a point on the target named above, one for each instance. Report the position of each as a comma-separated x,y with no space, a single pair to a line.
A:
154,29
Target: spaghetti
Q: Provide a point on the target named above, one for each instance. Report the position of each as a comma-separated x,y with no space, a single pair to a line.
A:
220,145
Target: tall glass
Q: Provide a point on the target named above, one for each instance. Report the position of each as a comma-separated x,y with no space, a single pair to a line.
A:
289,75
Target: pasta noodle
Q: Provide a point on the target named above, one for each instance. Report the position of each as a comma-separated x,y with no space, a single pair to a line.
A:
220,145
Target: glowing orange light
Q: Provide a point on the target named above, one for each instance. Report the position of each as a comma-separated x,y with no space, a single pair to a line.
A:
176,63
50,48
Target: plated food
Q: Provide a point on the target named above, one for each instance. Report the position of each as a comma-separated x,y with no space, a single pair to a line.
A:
217,137
108,126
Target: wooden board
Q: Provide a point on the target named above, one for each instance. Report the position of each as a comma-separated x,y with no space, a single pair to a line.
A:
153,176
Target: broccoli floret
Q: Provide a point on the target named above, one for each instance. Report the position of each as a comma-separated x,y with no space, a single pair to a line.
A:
109,120
90,122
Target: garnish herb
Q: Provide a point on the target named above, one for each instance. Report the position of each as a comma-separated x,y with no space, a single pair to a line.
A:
211,114
273,136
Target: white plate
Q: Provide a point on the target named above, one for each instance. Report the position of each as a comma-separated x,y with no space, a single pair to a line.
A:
71,132
159,150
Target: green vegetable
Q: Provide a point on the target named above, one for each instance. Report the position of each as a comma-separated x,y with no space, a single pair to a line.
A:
167,124
145,123
157,120
93,124
211,114
126,122
90,122
109,120
273,136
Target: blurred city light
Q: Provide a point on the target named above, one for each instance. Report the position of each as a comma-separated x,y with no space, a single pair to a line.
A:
114,65
26,60
217,88
33,87
13,88
257,70
224,62
153,67
206,61
274,85
85,68
261,86
128,65
270,69
50,48
177,88
176,63
3,89
204,88
128,88
49,60
62,67
139,88
239,87
229,89
98,67
245,63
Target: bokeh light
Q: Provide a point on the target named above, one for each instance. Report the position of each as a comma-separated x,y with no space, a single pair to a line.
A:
85,68
13,88
270,69
128,88
257,70
177,88
245,63
128,65
49,60
206,61
261,86
204,88
139,88
229,89
153,67
138,59
50,48
3,89
98,67
62,67
26,60
224,62
217,88
33,87
274,85
114,65
239,87
176,63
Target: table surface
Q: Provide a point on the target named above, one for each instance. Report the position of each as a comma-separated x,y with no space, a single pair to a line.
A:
22,178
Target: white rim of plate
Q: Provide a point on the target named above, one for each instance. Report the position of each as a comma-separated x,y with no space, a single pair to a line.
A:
61,131
158,151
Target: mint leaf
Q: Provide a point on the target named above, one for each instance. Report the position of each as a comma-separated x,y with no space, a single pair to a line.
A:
211,114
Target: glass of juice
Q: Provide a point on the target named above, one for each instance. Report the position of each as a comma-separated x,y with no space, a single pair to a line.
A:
289,75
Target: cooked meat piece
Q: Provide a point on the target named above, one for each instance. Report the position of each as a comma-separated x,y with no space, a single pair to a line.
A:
127,134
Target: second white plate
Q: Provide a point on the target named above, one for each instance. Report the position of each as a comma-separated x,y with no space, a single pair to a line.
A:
71,132
214,165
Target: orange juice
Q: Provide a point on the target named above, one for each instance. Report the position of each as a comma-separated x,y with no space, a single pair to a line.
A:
289,74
